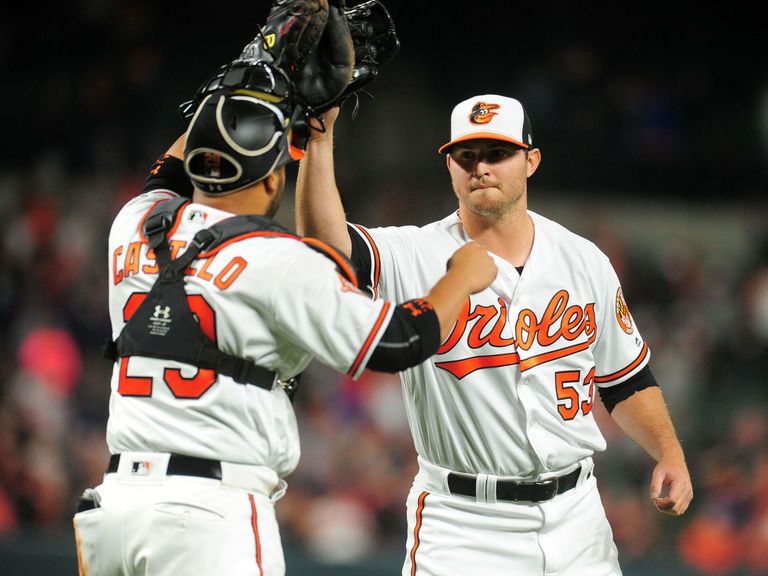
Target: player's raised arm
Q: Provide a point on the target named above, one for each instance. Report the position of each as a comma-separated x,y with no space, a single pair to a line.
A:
374,42
319,211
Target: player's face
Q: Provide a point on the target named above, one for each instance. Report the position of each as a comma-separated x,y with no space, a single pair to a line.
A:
490,176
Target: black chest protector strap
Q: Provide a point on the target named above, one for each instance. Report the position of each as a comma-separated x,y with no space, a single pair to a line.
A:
163,326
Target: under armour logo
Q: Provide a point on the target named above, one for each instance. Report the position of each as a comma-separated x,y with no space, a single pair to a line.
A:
160,321
164,312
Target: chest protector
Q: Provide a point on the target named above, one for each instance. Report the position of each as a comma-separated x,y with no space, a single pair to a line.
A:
163,326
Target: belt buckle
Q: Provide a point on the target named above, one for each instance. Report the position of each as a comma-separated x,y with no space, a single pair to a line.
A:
546,489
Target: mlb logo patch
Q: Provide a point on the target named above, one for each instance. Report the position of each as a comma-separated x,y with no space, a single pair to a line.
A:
140,468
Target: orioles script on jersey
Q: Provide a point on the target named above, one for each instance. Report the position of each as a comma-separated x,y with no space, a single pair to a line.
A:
483,325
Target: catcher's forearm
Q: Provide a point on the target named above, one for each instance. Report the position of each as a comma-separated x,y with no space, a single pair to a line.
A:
447,297
319,211
470,270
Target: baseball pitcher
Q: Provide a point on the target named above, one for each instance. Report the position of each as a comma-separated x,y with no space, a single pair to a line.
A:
502,416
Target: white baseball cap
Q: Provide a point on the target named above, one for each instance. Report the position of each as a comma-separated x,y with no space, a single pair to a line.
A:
489,116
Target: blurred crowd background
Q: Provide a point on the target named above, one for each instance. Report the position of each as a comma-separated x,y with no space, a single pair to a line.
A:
653,125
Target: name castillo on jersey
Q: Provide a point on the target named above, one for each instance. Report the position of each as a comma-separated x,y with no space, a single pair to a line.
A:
136,257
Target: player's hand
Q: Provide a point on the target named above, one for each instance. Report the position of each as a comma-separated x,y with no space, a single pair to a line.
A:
672,477
475,265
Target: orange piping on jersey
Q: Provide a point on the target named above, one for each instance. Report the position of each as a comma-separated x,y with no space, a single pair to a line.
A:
341,262
376,260
416,530
83,569
326,249
628,369
369,340
175,224
461,368
255,525
209,253
533,361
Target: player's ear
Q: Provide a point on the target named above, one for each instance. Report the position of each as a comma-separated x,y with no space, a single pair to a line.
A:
534,159
274,181
269,183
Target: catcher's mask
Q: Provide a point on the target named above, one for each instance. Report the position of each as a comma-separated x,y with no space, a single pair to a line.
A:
236,139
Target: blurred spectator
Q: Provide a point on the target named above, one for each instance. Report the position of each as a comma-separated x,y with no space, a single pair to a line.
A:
729,528
36,419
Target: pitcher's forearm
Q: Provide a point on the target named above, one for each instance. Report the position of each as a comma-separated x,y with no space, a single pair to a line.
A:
319,210
644,418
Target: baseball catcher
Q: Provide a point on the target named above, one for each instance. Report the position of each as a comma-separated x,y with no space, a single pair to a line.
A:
216,310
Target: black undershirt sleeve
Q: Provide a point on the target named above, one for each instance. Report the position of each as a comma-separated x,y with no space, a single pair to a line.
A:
412,336
613,395
361,260
168,173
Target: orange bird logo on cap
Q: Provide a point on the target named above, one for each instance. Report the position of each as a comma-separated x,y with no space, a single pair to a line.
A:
482,113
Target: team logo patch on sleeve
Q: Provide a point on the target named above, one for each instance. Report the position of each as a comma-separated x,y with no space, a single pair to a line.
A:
622,313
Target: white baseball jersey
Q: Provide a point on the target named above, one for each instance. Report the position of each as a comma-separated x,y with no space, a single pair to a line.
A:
511,390
272,300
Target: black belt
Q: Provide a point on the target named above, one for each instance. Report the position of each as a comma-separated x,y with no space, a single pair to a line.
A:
179,465
516,490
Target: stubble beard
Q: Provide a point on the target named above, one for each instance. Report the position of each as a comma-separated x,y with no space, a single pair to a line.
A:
495,202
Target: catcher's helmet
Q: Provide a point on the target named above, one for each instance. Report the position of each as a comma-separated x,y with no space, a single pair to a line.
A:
236,139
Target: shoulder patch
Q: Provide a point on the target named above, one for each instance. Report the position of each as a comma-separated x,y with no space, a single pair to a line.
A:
622,313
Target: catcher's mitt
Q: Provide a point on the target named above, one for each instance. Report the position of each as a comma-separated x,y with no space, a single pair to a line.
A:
374,39
281,48
328,70
319,51
370,30
291,33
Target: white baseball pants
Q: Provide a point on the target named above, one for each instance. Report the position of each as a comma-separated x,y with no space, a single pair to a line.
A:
568,535
152,524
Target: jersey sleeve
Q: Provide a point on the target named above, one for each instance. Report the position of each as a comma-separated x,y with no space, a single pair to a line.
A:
620,351
315,307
